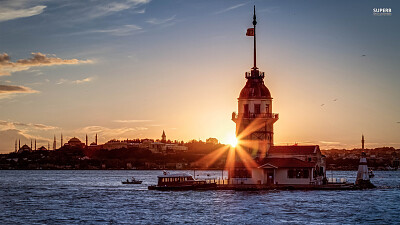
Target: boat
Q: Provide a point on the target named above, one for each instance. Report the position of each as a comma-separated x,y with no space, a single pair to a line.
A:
132,181
181,181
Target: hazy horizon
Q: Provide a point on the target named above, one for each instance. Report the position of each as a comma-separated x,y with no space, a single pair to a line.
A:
133,68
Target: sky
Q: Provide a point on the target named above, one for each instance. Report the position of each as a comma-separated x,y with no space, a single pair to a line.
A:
133,68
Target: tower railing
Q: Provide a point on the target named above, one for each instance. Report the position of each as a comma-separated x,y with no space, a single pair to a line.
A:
254,74
255,115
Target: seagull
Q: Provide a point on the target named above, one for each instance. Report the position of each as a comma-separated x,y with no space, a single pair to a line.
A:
322,104
363,55
335,99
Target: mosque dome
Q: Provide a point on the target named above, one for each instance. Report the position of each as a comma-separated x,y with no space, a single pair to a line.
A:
25,147
255,89
74,140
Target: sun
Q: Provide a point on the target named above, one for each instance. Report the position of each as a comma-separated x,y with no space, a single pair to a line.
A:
232,140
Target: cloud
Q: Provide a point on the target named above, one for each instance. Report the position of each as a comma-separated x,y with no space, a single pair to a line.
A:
137,2
113,7
118,31
43,127
37,60
12,125
330,142
131,121
62,80
5,89
141,11
11,13
85,80
156,21
230,8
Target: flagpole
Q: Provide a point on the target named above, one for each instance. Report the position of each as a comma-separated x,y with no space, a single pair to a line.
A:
254,23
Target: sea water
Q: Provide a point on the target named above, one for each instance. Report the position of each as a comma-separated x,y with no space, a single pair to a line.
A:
99,197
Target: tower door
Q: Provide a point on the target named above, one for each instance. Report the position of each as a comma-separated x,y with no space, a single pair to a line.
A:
269,176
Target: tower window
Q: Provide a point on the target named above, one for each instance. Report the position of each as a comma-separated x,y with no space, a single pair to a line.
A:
257,108
246,109
267,108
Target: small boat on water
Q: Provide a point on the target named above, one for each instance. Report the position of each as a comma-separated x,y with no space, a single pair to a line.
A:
181,181
132,181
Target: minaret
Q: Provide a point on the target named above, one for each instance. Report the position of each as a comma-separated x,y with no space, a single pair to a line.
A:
48,145
96,138
35,145
31,145
86,141
254,120
19,143
54,143
15,145
163,137
61,140
362,142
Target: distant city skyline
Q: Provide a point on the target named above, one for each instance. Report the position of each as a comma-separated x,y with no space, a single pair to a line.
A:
133,68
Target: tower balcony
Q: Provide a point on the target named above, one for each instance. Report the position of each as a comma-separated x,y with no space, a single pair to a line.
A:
236,116
254,74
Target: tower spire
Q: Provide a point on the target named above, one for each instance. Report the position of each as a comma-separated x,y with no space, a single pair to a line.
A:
254,24
254,73
61,140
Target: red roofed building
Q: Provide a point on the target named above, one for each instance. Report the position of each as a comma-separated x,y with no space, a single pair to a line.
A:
296,167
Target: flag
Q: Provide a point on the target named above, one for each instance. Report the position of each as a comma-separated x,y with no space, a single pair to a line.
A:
250,32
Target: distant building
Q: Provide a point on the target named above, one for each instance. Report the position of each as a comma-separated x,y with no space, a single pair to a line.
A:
75,142
212,141
24,148
175,148
115,144
42,148
94,146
